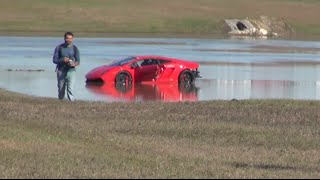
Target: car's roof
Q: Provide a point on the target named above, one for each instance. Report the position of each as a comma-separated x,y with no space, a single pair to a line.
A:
163,58
157,57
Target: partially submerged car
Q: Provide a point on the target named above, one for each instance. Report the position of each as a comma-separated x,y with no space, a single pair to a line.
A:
137,69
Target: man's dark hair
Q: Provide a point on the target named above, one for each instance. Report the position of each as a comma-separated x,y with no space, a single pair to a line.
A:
68,34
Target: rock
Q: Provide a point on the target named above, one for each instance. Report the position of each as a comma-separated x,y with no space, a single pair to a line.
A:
263,32
234,100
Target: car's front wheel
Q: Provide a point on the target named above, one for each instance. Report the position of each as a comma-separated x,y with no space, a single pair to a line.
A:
123,79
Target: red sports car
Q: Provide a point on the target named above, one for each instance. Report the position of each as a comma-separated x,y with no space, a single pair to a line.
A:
145,69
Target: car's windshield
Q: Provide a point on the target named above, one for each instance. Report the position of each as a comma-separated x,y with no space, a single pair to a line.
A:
122,61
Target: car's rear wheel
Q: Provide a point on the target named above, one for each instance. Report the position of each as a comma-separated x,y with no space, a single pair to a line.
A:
186,78
123,79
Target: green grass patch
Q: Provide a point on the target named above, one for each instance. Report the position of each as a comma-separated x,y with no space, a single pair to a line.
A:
310,29
167,16
42,138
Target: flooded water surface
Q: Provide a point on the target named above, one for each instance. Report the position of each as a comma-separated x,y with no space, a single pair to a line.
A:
231,68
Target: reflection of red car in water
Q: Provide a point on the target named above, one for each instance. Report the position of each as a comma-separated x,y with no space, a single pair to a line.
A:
146,69
147,92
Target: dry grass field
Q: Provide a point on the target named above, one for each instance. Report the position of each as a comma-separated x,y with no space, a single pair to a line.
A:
46,138
189,17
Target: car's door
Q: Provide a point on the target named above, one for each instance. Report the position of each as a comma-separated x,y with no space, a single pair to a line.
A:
146,70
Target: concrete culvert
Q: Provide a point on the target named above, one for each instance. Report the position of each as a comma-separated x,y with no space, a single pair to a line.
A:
263,26
241,26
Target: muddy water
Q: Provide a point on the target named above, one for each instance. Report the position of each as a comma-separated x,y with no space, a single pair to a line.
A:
231,68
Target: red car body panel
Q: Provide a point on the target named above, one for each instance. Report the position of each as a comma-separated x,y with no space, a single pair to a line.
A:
168,70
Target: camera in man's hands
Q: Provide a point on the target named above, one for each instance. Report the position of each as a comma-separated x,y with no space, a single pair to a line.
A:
71,63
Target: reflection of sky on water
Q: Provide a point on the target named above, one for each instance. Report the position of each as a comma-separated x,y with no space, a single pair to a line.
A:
220,81
259,89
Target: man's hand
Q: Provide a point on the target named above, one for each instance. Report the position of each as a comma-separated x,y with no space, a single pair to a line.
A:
66,59
72,63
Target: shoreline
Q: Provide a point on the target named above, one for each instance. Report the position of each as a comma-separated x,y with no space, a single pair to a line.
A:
40,98
13,94
298,37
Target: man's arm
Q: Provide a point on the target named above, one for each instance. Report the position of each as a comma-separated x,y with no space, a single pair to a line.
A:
56,59
77,56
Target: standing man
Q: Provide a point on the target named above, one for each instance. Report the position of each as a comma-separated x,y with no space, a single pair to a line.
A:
67,57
